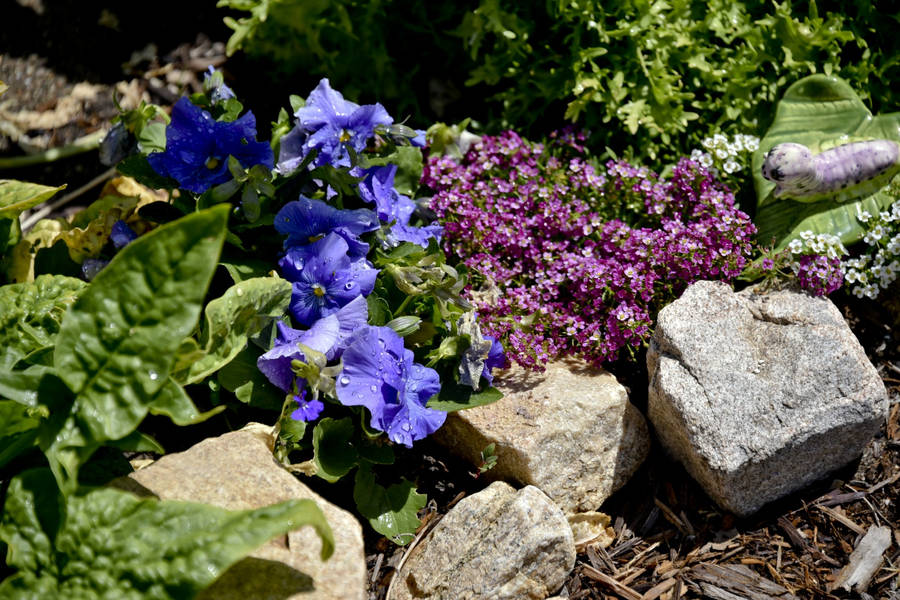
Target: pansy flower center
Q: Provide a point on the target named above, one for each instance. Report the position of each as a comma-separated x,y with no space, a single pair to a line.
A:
345,136
316,238
212,162
318,290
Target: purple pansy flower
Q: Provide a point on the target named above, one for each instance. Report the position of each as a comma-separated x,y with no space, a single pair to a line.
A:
334,124
328,335
392,207
496,359
198,147
308,410
305,221
379,373
121,234
324,278
219,92
291,151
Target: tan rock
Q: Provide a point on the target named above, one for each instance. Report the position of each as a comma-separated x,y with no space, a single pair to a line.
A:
238,471
570,431
499,544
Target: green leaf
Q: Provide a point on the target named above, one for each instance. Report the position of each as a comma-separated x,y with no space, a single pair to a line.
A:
405,325
243,269
32,313
28,386
242,311
454,397
152,138
18,430
409,168
116,343
112,544
820,112
173,402
391,511
242,377
18,196
334,454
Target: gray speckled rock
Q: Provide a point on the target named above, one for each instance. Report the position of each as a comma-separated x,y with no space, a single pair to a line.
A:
499,544
570,431
237,471
759,394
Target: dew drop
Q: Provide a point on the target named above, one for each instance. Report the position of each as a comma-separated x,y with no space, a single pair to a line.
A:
239,292
153,375
405,427
348,285
345,380
358,395
381,342
373,388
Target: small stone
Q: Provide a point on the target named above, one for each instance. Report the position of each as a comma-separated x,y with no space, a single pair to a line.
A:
759,394
499,544
570,431
237,471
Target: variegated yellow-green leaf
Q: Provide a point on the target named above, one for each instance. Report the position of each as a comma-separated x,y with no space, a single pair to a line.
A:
18,196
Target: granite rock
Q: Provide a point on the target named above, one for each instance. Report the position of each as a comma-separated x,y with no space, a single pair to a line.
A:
238,471
498,544
759,393
570,431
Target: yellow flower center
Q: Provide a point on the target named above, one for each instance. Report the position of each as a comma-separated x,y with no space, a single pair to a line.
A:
345,136
212,162
318,290
316,238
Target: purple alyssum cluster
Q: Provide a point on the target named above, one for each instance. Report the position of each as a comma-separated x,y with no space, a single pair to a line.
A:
576,261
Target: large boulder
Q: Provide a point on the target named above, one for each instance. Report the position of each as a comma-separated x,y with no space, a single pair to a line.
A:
759,393
569,431
238,471
498,544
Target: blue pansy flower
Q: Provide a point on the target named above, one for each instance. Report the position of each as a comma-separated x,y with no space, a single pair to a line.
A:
324,278
121,234
305,221
198,147
379,373
307,410
291,151
335,124
393,207
329,335
496,359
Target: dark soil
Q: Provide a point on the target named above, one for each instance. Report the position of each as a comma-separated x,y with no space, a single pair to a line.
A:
666,528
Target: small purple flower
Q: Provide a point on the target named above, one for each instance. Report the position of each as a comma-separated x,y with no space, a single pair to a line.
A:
379,373
305,221
291,151
392,207
335,124
308,410
768,264
198,147
324,278
121,234
328,335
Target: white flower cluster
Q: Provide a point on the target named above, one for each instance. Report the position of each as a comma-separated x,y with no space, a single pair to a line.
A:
811,243
879,266
721,154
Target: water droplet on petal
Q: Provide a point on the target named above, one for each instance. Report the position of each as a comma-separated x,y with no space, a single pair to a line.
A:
153,375
373,388
348,285
345,380
358,395
381,342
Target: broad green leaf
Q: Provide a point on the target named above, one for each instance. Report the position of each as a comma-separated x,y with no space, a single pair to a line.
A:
820,112
173,402
242,311
29,386
454,397
18,196
19,263
32,312
18,430
333,451
242,377
117,342
391,511
112,544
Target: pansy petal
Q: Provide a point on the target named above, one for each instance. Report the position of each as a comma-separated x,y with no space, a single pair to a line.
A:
409,422
292,150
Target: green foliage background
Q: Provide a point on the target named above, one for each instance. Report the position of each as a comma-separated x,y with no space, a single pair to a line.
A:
649,78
